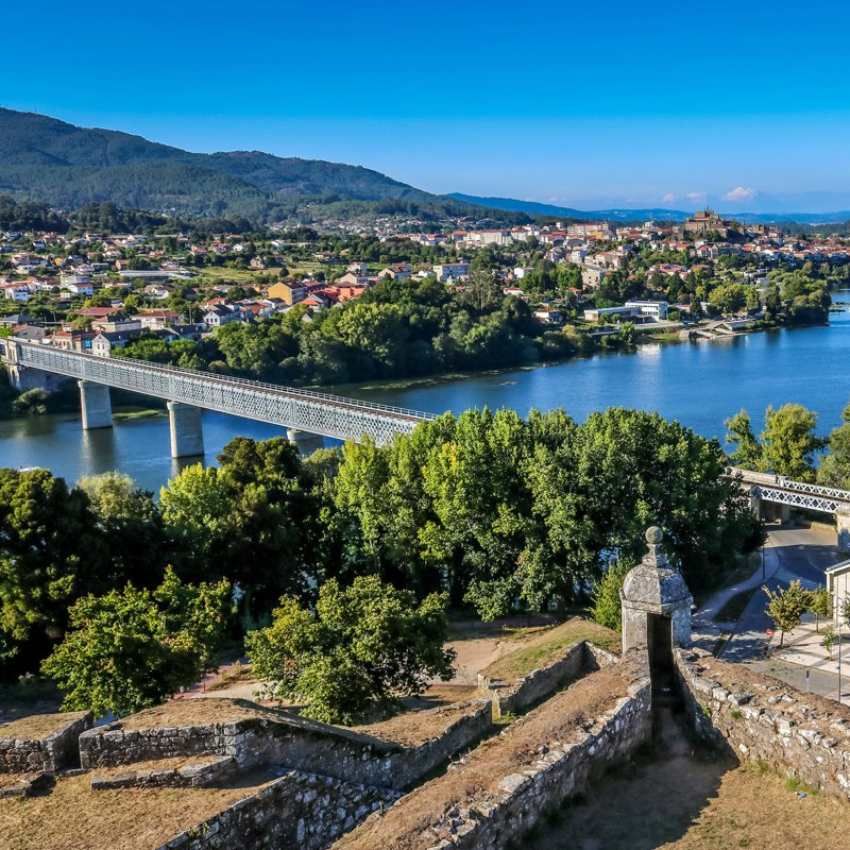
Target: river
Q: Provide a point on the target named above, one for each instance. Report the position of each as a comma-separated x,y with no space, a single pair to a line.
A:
700,384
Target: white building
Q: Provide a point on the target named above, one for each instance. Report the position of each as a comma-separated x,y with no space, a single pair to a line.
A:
655,310
451,271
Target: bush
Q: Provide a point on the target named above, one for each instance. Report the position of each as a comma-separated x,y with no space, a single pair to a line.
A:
606,609
361,649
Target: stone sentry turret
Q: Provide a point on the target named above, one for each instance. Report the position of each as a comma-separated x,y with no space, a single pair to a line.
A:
654,588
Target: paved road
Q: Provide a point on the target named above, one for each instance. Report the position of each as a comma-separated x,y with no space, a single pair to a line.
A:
789,553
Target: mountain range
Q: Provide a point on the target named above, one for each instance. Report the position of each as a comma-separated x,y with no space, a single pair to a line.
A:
47,160
50,161
534,208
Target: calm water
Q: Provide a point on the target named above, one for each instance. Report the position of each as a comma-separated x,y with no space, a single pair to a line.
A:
700,384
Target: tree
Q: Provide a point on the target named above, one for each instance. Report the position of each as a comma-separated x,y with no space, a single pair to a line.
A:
251,520
834,470
50,553
739,432
786,607
361,649
789,441
130,521
607,608
820,604
133,648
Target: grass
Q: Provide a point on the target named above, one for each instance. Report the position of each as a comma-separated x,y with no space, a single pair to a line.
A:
131,414
549,645
73,817
232,675
34,727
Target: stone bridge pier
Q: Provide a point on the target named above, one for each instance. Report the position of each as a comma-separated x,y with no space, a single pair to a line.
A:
186,430
304,441
95,405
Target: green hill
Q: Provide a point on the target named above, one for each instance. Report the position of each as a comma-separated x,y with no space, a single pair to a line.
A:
46,160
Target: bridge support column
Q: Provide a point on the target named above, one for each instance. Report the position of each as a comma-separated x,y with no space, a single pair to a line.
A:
95,404
755,502
842,530
305,442
186,430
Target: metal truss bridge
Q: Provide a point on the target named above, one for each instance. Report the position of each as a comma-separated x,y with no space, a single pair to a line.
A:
301,410
796,494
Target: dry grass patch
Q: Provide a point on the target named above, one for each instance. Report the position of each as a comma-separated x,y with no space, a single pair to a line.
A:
405,825
415,726
34,727
199,712
546,646
73,817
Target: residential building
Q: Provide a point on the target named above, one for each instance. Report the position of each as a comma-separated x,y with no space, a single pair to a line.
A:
655,310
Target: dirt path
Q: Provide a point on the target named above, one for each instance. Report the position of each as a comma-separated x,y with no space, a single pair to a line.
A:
681,800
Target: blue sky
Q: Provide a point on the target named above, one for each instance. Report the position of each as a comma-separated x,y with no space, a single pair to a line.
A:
745,106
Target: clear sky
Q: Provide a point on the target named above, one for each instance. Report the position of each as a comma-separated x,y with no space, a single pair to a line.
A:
743,105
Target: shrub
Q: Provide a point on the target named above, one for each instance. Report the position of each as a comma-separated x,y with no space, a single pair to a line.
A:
362,648
606,596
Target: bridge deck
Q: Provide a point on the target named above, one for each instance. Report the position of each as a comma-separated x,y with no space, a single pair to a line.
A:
291,407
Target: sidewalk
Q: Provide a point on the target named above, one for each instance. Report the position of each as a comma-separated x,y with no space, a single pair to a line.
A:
707,631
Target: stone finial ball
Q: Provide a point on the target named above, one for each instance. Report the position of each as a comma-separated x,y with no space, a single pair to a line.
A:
654,535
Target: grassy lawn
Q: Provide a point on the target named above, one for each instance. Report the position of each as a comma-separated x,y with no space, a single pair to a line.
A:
217,274
547,645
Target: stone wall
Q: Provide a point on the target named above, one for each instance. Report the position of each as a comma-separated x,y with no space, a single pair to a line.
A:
293,743
761,719
56,751
455,811
298,810
540,684
187,776
563,772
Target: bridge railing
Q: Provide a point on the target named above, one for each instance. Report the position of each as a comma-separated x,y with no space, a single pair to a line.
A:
766,479
167,369
292,407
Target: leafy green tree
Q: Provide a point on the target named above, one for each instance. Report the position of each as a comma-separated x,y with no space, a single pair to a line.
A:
786,607
131,523
50,553
361,649
251,520
607,608
834,470
739,432
789,442
133,648
820,604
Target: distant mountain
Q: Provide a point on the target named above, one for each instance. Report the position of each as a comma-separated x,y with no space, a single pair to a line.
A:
535,208
47,160
654,213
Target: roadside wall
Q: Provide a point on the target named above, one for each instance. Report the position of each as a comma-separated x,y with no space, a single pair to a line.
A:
759,718
298,810
54,752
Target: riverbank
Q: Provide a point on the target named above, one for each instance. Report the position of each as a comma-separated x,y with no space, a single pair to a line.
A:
699,385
